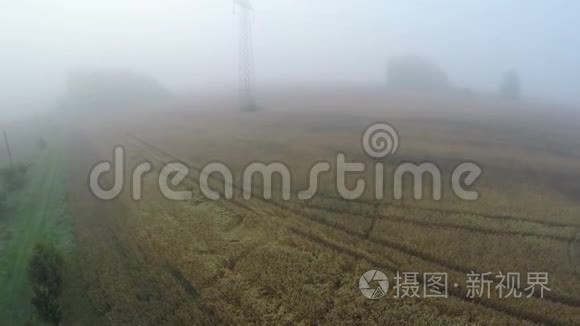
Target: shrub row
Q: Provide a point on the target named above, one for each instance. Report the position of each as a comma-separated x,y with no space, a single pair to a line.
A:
45,272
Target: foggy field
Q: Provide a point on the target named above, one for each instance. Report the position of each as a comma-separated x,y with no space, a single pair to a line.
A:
253,162
204,261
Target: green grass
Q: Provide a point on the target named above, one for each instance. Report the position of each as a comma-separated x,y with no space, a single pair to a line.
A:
37,213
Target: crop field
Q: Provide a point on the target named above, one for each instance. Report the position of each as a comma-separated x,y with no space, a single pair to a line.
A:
234,261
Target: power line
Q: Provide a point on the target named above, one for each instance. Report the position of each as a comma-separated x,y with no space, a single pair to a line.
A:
246,73
8,149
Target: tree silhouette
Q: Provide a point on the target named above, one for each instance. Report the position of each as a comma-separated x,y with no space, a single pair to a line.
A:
510,85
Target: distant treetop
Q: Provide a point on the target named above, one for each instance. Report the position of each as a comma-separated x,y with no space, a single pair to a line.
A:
416,73
510,87
113,88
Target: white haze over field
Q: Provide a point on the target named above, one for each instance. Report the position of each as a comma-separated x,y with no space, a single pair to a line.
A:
190,44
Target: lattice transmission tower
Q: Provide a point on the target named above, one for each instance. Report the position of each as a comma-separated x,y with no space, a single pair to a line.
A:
246,74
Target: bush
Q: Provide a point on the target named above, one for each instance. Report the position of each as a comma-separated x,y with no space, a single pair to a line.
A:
42,143
14,178
3,205
47,305
45,272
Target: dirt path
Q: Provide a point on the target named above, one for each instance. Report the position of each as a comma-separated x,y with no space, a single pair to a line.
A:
31,221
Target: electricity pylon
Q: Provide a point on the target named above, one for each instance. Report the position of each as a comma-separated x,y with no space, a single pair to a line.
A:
247,77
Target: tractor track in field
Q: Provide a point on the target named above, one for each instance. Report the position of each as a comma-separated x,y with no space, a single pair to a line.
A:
448,211
343,249
407,250
427,257
401,219
456,292
444,225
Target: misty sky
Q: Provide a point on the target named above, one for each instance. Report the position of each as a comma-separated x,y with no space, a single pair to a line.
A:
192,44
